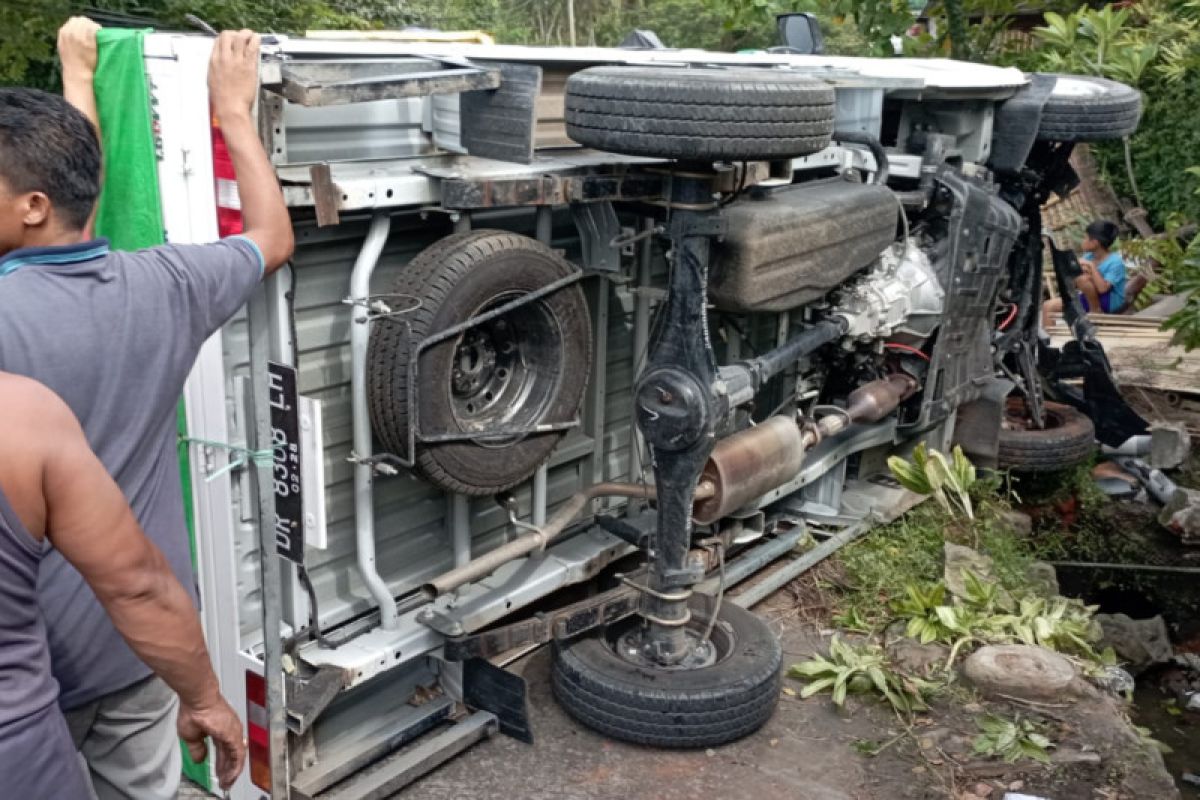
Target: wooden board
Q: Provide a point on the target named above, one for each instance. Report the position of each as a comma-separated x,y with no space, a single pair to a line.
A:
1144,356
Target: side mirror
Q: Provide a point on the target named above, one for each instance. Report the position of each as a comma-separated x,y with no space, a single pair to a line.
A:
800,33
642,39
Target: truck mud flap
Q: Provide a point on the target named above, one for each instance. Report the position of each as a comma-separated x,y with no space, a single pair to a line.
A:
489,688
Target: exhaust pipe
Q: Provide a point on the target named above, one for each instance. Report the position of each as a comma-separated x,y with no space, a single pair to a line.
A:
538,539
741,468
747,465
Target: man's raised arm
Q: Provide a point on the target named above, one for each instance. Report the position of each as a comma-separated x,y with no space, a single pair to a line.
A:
232,87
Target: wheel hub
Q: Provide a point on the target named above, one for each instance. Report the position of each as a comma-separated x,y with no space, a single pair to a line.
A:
636,647
485,363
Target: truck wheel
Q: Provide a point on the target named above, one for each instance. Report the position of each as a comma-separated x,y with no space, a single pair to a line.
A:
699,114
602,682
1086,109
1068,440
527,367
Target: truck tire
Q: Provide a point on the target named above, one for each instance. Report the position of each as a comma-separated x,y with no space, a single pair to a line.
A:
687,708
1068,440
699,114
1086,109
527,367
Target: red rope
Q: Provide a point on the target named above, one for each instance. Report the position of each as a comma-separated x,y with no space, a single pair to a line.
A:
1011,316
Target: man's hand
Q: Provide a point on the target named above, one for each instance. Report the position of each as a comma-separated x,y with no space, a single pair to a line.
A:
233,73
77,48
232,87
221,724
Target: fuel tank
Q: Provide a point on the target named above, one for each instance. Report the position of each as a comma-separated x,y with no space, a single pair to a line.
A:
787,247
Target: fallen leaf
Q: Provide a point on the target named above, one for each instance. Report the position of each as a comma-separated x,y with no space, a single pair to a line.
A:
789,691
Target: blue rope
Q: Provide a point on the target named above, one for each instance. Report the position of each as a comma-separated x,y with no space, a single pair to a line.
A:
244,455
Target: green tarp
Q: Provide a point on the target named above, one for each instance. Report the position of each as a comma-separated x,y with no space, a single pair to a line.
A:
130,213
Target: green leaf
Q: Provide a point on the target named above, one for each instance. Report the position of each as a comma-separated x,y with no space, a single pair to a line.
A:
816,686
807,669
839,695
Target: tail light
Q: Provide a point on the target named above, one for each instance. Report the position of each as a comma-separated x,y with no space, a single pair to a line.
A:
229,204
257,731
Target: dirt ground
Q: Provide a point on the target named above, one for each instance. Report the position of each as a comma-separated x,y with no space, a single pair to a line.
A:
805,752
808,751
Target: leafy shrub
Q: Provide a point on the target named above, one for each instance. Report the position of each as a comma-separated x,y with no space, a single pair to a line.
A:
858,669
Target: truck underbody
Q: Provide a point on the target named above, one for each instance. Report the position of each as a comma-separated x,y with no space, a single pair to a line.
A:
544,393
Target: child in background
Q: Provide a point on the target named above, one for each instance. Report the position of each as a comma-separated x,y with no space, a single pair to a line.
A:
1102,284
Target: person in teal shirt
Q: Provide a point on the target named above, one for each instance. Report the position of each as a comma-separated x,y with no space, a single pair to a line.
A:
1102,284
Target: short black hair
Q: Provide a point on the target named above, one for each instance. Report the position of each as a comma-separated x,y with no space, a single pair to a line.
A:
1104,232
47,145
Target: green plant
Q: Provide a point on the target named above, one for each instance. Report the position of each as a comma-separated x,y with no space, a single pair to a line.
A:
1057,623
858,669
1186,280
852,619
930,472
920,606
988,614
1012,739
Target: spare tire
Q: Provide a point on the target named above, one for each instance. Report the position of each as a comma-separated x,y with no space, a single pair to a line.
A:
1082,108
1068,440
703,706
521,369
699,114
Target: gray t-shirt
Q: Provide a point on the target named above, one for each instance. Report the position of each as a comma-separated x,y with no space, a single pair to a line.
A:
115,335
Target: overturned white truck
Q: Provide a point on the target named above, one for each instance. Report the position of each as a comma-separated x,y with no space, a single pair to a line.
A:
576,340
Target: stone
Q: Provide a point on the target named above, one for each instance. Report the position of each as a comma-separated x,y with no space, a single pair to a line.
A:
1022,671
1018,523
1170,444
913,658
1139,643
959,558
1181,515
1043,579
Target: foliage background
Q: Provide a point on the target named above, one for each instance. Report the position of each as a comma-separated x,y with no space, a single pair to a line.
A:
1152,44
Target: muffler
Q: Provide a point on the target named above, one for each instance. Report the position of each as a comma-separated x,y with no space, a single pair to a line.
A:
750,463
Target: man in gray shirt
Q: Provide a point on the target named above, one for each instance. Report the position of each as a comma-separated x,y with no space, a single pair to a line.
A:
115,335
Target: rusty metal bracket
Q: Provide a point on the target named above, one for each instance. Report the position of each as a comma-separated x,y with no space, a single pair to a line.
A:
325,195
564,623
327,83
308,699
552,189
598,228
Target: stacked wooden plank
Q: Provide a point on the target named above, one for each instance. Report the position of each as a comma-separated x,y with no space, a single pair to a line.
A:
1141,353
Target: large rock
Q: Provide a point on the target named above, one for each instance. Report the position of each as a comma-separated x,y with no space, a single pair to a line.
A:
1170,444
959,559
1022,671
1043,579
1140,643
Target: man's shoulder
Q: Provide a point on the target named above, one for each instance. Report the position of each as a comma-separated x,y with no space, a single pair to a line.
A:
28,404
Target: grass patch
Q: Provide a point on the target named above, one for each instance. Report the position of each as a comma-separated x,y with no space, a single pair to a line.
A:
909,552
